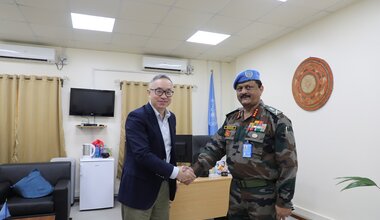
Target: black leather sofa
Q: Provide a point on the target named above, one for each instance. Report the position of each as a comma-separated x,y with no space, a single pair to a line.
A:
57,203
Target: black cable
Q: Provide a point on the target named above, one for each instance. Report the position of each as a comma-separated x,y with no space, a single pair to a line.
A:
60,63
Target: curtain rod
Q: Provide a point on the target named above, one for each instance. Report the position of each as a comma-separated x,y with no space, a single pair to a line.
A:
120,82
50,78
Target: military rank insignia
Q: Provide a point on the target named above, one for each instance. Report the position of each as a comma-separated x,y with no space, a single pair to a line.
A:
227,133
228,129
257,126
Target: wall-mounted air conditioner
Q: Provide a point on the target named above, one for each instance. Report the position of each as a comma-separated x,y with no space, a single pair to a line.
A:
165,64
27,53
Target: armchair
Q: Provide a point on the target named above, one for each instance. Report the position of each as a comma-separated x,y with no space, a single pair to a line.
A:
57,203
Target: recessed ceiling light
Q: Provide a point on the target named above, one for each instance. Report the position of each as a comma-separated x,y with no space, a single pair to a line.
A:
282,0
93,23
204,37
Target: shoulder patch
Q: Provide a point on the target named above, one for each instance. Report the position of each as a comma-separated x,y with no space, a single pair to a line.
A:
273,110
229,114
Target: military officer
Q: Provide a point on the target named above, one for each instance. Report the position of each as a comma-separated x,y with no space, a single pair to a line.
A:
259,144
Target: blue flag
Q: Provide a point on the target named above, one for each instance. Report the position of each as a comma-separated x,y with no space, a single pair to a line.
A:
212,120
4,212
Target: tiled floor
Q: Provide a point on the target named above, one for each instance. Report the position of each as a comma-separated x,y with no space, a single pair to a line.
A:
102,214
98,214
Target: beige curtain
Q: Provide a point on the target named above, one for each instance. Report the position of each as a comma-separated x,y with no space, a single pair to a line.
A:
182,108
38,129
8,107
134,95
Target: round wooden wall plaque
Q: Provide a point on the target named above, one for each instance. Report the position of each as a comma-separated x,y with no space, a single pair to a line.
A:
312,84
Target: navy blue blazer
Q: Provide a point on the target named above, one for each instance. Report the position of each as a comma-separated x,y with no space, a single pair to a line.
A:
144,166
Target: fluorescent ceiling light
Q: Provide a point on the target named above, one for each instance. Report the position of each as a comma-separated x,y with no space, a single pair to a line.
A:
204,37
93,23
282,0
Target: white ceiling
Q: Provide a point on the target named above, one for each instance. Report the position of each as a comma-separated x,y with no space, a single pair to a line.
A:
161,27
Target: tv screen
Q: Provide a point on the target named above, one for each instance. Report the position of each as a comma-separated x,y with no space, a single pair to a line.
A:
183,148
199,141
92,102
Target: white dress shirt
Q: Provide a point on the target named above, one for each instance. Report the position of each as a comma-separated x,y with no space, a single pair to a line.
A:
165,131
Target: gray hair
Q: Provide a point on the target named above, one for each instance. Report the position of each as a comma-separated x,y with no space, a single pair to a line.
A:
160,76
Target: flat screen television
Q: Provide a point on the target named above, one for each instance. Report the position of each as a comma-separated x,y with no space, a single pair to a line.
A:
198,142
92,102
183,148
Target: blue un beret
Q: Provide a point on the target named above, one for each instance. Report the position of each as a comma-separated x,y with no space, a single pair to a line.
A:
245,76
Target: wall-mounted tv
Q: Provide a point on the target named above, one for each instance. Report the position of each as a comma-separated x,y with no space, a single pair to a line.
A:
92,102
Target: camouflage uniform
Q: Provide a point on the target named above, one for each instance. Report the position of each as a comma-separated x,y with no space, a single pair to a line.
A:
266,178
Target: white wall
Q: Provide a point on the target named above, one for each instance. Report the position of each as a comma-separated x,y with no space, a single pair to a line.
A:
101,70
340,139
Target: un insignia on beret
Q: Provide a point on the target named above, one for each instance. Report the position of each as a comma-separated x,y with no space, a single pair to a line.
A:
248,74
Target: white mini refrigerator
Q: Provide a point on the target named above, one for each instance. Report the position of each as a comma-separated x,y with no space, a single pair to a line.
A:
96,183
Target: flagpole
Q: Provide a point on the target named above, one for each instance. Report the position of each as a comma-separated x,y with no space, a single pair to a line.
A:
212,120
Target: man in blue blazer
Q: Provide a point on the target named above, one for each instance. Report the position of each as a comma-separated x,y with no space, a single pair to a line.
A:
149,174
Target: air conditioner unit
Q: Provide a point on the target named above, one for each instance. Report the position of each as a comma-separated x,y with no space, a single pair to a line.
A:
164,64
27,53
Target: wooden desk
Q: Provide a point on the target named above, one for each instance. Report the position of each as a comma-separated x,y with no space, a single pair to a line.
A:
205,198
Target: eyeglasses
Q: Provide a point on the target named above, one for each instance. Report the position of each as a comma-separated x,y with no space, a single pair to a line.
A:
248,88
160,92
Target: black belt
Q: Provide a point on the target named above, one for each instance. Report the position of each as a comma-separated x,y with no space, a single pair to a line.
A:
252,183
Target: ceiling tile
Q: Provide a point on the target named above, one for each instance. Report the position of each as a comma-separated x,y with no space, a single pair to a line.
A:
16,28
239,42
139,11
161,27
279,34
134,27
260,30
248,9
156,52
102,8
186,19
50,31
10,12
161,43
53,41
192,50
287,16
91,45
320,4
171,32
157,2
224,25
45,4
218,53
312,18
91,36
128,40
211,6
47,17
341,4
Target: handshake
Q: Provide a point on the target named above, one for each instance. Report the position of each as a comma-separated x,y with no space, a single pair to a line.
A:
186,175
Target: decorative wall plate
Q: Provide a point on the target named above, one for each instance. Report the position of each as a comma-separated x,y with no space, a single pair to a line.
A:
312,84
